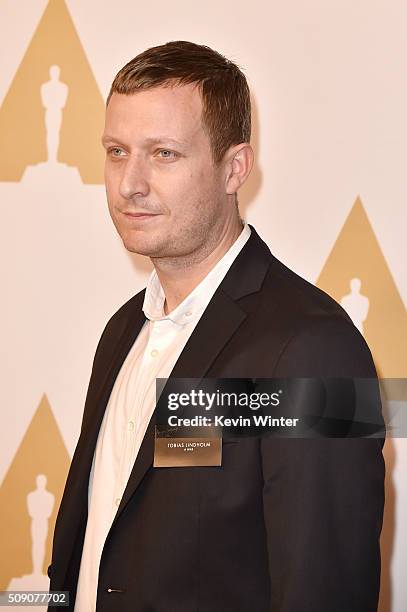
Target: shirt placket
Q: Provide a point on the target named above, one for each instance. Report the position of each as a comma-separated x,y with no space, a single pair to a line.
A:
162,333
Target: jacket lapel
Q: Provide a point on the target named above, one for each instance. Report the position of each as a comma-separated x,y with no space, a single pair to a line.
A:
219,322
125,342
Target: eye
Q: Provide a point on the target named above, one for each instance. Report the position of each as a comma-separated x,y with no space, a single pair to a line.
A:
167,154
116,151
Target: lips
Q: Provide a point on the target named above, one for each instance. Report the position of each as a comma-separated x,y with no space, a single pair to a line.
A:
139,214
136,218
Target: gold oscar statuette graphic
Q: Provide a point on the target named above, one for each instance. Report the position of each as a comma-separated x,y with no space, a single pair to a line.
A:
357,276
29,500
52,116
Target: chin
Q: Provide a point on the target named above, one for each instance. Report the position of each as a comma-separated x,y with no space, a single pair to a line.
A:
140,246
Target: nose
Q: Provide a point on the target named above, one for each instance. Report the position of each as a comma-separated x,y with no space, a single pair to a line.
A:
134,180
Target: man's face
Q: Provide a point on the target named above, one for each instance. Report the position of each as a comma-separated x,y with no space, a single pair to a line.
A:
159,162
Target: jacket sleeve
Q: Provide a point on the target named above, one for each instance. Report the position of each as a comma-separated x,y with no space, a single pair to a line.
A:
323,498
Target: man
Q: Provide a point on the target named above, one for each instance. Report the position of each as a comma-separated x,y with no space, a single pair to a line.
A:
281,525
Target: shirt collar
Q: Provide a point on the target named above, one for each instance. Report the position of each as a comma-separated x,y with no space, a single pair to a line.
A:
191,308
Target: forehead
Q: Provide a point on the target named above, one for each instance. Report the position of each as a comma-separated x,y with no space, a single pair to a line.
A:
173,111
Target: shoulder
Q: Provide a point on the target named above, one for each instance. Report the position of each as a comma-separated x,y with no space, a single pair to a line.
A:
299,295
278,289
317,335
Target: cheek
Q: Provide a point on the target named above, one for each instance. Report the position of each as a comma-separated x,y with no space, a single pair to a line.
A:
199,183
187,191
191,196
173,190
112,177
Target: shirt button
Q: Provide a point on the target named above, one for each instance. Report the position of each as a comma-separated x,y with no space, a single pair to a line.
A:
130,426
188,313
154,353
117,501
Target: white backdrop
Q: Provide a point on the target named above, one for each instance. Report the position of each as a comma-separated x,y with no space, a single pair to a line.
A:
329,87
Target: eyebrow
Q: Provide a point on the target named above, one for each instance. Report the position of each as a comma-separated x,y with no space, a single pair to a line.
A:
149,141
159,139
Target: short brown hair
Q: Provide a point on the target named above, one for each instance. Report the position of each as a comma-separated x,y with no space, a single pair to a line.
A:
225,94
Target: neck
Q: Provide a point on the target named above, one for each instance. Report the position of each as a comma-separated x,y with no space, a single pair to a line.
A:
180,275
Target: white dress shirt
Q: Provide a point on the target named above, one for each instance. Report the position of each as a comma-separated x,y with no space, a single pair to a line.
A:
131,404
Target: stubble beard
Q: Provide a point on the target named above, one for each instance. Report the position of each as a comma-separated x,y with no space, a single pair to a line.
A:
185,243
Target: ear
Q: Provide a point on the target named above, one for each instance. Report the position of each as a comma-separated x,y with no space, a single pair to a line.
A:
239,162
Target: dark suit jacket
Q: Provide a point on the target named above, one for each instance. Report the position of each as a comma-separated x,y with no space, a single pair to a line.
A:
284,525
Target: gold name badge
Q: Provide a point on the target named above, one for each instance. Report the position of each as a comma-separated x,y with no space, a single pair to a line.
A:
187,452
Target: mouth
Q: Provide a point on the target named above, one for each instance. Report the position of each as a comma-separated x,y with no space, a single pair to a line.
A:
139,216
